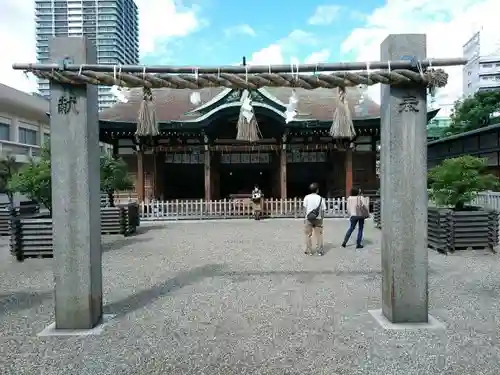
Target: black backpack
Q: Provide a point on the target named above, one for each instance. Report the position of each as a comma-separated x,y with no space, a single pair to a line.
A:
313,215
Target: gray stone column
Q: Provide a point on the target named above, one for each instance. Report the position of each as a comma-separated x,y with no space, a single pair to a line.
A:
76,213
403,159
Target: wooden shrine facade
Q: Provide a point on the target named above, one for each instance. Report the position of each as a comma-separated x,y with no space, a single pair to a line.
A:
198,156
484,143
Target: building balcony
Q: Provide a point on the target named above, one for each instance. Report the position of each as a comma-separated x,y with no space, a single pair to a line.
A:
22,153
495,69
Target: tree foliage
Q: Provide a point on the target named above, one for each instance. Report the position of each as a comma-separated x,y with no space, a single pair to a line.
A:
456,182
7,170
34,180
114,176
474,111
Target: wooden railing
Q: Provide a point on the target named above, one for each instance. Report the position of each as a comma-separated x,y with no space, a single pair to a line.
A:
232,209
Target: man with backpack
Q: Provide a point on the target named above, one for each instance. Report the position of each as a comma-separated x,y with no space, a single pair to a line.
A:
315,207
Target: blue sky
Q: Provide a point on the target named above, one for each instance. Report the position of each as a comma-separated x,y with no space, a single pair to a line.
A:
229,30
219,32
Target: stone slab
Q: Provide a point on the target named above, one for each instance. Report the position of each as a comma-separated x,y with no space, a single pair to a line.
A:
51,329
381,319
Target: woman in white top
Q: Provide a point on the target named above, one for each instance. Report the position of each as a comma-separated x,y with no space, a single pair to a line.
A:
357,211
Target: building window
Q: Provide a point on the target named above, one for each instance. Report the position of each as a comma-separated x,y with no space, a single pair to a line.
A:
4,132
28,136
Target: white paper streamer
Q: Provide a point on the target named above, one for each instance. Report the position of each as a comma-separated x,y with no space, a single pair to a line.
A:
195,98
291,108
119,94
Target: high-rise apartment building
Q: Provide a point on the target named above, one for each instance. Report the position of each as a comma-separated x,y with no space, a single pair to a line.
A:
482,72
112,24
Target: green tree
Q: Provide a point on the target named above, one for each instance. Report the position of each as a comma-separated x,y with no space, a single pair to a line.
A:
7,170
34,180
114,176
474,112
456,182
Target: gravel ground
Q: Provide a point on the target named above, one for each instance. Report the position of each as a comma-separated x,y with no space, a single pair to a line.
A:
240,297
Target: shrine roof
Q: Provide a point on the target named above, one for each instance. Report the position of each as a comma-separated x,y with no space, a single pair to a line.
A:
175,105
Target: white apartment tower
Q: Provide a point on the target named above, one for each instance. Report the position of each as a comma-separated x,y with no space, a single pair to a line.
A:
112,24
482,72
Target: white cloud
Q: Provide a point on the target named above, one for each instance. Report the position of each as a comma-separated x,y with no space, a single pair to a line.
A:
324,15
274,53
159,20
270,55
318,57
17,33
240,29
447,23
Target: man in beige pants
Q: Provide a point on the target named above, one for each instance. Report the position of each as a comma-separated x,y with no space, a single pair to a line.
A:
315,207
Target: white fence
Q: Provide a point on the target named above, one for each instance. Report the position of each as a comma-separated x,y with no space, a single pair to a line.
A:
233,209
488,199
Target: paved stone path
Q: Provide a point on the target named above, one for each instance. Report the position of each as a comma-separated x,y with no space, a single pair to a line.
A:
240,297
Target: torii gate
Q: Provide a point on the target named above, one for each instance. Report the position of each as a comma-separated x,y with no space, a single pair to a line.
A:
405,74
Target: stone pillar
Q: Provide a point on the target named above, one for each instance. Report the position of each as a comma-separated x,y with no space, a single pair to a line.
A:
208,174
348,170
403,159
76,216
139,185
283,178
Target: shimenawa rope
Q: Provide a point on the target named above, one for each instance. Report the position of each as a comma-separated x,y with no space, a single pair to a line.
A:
146,119
430,78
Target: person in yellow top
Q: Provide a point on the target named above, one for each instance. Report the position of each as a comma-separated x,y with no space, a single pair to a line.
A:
358,212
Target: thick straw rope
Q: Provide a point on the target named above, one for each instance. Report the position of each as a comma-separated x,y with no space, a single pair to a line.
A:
146,118
247,130
342,125
430,78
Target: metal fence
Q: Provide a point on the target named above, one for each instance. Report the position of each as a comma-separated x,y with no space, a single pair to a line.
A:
234,208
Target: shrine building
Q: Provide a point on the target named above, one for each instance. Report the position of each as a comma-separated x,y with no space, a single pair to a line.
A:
196,154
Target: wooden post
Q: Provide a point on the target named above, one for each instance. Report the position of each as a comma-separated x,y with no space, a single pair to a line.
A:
154,179
348,170
140,176
115,150
283,179
159,180
208,174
